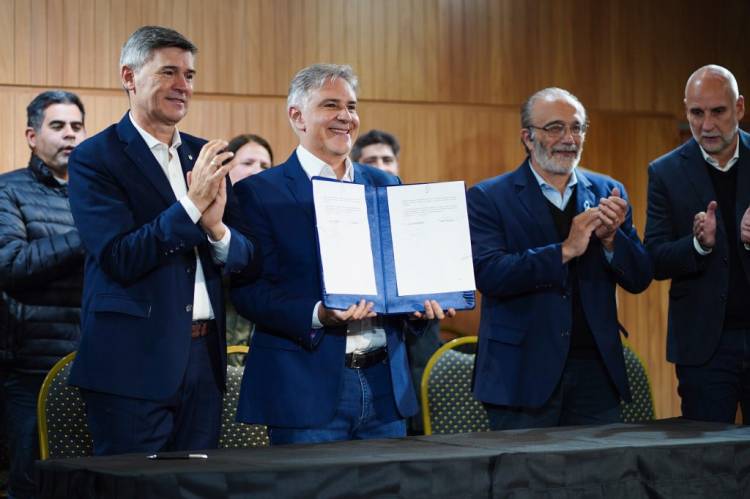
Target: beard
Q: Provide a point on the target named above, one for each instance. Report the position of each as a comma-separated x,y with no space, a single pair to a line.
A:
724,142
559,166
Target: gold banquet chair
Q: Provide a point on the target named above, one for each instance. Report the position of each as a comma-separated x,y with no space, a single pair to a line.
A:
236,435
641,407
61,415
448,404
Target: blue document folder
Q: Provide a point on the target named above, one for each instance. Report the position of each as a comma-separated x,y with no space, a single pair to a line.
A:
387,300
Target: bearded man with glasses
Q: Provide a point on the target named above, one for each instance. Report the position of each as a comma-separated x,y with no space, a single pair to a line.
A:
551,243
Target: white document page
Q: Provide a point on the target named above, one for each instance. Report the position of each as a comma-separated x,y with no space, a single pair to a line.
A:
344,237
431,242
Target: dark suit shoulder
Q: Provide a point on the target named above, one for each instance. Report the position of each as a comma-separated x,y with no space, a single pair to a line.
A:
502,181
97,150
192,140
266,181
274,174
99,140
376,176
673,158
598,178
281,170
600,183
744,143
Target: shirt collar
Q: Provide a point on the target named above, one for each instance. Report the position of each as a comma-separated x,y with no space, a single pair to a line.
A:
573,180
711,161
316,167
151,141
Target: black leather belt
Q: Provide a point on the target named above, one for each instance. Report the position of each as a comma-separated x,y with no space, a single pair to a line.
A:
202,328
364,360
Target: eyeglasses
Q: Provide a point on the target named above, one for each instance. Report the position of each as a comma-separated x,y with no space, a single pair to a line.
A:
557,130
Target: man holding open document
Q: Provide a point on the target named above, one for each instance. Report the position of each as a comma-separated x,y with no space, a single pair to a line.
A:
317,373
551,242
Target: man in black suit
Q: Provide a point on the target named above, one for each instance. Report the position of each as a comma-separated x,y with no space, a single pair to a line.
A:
698,233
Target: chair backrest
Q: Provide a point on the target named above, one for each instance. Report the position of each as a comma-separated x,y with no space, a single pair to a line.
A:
448,333
61,415
448,404
641,407
236,435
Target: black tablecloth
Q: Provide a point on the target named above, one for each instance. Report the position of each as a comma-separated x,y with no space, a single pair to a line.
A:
670,458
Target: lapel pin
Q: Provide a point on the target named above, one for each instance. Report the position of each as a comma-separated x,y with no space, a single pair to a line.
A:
190,157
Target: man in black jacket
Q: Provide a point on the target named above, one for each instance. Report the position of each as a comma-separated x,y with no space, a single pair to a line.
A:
698,234
41,270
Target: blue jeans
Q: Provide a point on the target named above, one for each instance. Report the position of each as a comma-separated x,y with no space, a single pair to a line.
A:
21,392
366,409
711,392
585,395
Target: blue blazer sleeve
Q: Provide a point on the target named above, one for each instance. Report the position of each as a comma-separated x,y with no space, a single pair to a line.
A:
673,254
500,270
630,263
266,300
241,261
124,250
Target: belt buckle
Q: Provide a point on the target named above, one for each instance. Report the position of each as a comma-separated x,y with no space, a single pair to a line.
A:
365,359
355,364
200,328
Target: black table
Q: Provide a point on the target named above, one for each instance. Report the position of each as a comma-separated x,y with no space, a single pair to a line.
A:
669,458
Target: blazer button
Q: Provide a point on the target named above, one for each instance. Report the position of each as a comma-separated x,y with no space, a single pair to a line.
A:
188,308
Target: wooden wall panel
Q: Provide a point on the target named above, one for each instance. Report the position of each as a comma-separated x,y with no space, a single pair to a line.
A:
446,76
7,42
626,56
8,133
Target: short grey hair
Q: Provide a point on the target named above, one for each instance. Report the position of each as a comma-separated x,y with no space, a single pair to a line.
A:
546,93
140,46
314,77
716,71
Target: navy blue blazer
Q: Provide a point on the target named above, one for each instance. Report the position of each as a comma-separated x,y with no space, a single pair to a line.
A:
679,186
524,331
140,266
293,372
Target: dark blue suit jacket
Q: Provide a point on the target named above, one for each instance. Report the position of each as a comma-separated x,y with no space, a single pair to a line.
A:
524,332
140,266
679,187
293,372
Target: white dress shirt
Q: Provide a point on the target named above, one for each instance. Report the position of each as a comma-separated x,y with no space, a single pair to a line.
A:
169,160
366,334
552,194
